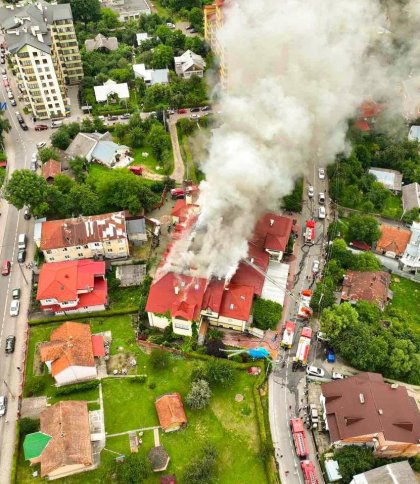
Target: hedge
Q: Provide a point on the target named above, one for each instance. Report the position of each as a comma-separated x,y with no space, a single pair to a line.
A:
97,314
138,379
79,387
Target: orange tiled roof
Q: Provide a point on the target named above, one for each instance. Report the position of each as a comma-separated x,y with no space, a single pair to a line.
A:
170,410
51,168
393,239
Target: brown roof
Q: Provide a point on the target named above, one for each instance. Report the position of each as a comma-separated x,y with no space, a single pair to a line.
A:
70,345
366,286
82,230
50,169
364,404
393,239
158,457
170,410
411,196
67,423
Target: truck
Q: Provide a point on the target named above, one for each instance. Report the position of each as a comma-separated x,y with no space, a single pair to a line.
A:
288,334
309,234
309,472
304,310
302,353
299,437
181,192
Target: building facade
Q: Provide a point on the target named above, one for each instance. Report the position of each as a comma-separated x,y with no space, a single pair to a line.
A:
410,261
213,22
44,52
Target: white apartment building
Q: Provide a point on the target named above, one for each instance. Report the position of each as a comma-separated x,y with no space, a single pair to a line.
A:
41,41
410,261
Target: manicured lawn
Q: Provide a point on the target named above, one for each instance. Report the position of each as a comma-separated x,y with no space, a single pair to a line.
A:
149,162
392,207
230,426
406,293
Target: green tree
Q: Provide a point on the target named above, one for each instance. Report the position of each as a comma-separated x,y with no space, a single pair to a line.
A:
158,140
199,395
364,228
368,312
266,313
196,18
84,201
323,296
4,125
48,153
293,202
366,261
60,139
159,359
109,18
85,10
341,254
411,216
220,372
201,469
78,166
401,358
336,319
26,188
354,460
134,470
162,56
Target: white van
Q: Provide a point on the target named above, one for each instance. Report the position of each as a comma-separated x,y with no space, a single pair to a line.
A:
22,241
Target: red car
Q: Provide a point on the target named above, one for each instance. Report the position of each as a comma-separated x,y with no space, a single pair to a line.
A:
6,83
5,268
181,111
137,170
41,127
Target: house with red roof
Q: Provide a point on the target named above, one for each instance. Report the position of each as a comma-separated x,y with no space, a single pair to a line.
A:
72,287
182,209
51,169
70,353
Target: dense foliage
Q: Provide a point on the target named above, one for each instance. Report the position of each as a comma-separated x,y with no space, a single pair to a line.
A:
266,313
199,395
293,202
202,468
133,470
364,228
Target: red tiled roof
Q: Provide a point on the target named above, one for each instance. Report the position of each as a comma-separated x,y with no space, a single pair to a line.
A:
366,286
370,109
70,345
82,230
364,404
213,296
170,410
182,210
393,239
237,302
64,280
98,345
359,244
186,304
272,232
51,168
362,125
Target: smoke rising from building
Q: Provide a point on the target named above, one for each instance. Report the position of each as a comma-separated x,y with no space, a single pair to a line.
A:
298,71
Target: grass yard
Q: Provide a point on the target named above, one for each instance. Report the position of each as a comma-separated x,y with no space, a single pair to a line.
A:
228,425
392,207
406,293
149,162
191,166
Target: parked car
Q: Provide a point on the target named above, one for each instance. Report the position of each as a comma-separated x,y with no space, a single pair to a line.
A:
112,118
23,126
192,31
14,307
315,371
34,157
16,293
181,111
194,110
330,353
3,71
170,25
41,127
2,61
4,76
21,257
321,336
10,344
56,123
310,191
6,83
337,376
5,268
34,165
13,102
321,213
315,266
194,116
41,144
19,116
10,94
189,27
321,197
125,116
205,108
321,173
3,405
102,118
171,111
26,214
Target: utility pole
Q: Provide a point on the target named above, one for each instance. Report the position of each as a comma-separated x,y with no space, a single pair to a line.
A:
23,274
8,388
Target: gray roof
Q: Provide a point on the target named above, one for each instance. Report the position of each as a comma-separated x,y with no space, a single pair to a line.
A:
414,133
16,42
82,144
411,196
137,226
159,76
105,151
391,179
127,6
101,42
396,473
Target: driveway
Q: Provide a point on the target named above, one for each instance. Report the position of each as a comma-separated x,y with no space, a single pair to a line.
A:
32,407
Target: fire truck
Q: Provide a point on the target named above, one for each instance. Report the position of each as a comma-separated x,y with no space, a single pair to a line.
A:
302,353
299,438
304,310
288,334
309,234
309,472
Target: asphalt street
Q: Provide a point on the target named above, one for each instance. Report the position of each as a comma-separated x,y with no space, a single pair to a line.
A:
287,387
19,147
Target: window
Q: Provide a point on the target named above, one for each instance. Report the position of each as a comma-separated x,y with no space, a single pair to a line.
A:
182,326
48,251
67,257
86,246
49,76
55,98
80,254
65,249
108,242
97,244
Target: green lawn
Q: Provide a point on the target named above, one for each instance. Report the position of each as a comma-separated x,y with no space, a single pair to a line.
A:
392,207
406,293
230,426
149,162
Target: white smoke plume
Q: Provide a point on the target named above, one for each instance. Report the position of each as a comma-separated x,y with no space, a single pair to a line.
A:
298,71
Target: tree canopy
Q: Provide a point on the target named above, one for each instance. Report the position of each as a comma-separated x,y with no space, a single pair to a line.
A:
266,313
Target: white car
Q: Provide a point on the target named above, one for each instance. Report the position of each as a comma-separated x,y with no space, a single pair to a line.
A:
194,116
41,144
337,376
321,213
3,405
321,173
315,371
14,307
34,157
315,266
310,191
321,336
170,25
10,94
4,77
321,198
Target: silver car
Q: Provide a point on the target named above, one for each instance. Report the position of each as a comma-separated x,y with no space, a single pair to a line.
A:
14,307
3,405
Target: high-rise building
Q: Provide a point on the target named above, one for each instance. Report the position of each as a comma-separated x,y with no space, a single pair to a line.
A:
213,22
42,43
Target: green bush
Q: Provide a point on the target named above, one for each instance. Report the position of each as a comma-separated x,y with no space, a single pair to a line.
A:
103,314
79,387
36,387
28,426
266,313
138,379
152,385
159,359
221,373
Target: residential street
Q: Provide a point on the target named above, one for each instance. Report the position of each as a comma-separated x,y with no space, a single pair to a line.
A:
286,387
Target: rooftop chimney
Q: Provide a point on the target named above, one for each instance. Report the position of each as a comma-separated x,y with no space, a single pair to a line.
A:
271,222
232,306
188,199
176,289
361,398
252,260
380,411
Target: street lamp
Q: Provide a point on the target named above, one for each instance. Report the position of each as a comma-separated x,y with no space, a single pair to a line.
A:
8,388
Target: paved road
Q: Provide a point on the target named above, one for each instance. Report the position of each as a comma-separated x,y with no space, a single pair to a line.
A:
19,146
286,387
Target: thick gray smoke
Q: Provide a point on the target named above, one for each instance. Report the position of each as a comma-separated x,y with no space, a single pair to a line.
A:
298,70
